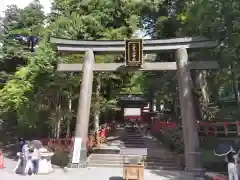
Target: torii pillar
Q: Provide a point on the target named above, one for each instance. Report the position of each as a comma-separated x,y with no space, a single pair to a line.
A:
79,152
188,115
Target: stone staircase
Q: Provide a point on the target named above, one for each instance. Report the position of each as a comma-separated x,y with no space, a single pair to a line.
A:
158,157
116,160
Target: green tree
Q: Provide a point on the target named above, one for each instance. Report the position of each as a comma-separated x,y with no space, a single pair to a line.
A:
16,56
35,88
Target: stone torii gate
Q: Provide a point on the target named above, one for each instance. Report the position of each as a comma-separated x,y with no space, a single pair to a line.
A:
182,65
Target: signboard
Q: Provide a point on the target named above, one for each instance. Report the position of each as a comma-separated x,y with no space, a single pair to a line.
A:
132,111
133,52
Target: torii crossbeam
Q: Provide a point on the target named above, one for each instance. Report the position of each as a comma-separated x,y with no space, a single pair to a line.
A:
154,66
182,65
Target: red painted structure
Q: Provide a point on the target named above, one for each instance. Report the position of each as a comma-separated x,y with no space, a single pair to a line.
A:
205,128
69,142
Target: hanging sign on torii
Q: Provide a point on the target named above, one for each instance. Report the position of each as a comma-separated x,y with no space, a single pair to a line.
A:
134,53
133,49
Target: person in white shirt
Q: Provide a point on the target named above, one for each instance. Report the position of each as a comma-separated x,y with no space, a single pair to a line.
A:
231,159
35,160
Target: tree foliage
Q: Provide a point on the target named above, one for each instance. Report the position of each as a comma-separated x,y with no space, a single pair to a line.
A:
34,95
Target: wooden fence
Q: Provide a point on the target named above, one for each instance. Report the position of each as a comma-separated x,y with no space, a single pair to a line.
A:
68,142
204,128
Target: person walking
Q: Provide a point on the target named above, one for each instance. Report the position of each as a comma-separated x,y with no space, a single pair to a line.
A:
21,142
24,157
148,128
35,160
28,150
232,166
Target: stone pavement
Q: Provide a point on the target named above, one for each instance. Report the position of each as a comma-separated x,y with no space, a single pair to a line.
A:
99,173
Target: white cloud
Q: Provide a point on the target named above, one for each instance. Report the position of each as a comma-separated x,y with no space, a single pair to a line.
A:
21,4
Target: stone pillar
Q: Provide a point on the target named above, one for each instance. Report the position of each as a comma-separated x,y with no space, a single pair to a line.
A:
79,153
188,115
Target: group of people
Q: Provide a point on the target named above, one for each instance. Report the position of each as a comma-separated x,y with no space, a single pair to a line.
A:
28,162
136,123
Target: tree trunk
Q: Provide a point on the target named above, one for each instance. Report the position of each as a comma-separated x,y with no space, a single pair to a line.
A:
196,97
235,84
69,118
59,119
202,83
97,108
157,103
228,18
199,79
151,98
57,116
58,126
176,106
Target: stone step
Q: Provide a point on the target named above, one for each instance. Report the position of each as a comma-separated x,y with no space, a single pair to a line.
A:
146,167
133,139
134,134
163,156
104,165
150,160
109,157
134,142
133,146
165,164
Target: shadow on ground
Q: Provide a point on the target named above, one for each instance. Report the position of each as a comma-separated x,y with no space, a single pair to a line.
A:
173,175
116,178
112,139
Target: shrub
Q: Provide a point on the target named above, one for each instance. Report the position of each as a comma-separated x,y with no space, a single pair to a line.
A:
172,138
61,155
176,138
